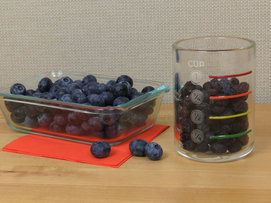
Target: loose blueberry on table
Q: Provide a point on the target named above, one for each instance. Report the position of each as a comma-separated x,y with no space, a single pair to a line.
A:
87,91
153,151
100,149
193,109
137,147
140,147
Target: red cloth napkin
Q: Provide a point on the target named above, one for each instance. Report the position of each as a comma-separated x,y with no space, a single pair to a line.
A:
77,152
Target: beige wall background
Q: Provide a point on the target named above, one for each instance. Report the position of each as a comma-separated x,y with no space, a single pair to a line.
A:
116,37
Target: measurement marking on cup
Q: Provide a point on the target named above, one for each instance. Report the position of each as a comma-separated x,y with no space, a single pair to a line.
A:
196,77
196,96
197,116
197,136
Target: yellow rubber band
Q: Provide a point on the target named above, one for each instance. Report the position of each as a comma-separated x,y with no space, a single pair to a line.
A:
230,116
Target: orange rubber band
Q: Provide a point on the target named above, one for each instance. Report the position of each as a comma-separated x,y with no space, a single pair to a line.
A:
231,96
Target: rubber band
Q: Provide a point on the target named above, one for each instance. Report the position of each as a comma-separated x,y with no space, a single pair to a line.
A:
230,116
231,76
230,136
231,96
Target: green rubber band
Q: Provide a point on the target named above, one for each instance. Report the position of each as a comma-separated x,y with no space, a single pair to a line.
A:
230,136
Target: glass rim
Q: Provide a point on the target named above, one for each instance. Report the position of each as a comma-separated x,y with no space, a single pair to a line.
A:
178,47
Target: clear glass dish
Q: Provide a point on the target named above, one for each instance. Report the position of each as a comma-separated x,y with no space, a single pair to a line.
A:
111,124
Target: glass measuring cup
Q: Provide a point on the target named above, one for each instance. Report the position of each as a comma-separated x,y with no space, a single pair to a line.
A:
213,97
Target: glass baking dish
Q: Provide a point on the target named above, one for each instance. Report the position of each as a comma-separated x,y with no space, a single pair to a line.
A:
112,124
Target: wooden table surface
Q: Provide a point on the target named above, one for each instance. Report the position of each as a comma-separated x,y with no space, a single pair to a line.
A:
25,178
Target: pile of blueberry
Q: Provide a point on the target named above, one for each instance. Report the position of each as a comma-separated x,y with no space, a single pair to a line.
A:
104,123
86,91
140,147
194,107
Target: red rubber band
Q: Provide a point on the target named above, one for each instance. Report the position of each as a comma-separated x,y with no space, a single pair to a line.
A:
231,76
231,96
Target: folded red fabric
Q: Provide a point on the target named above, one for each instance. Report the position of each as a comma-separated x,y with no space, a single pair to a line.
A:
77,152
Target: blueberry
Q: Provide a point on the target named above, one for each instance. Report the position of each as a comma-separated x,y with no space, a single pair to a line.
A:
138,94
226,86
212,92
154,151
56,128
134,91
188,88
65,81
235,147
85,126
227,112
137,147
79,83
72,86
88,79
82,116
109,119
110,85
189,145
30,122
60,92
120,100
91,89
203,147
216,85
226,128
18,115
234,81
66,98
30,92
72,118
11,106
31,111
44,119
45,84
54,88
243,87
108,98
60,119
240,125
38,95
111,131
101,87
74,129
239,106
96,100
79,98
243,139
48,95
95,124
207,85
184,137
129,89
217,110
125,78
218,148
18,89
100,149
120,90
234,89
187,125
138,119
203,127
147,89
